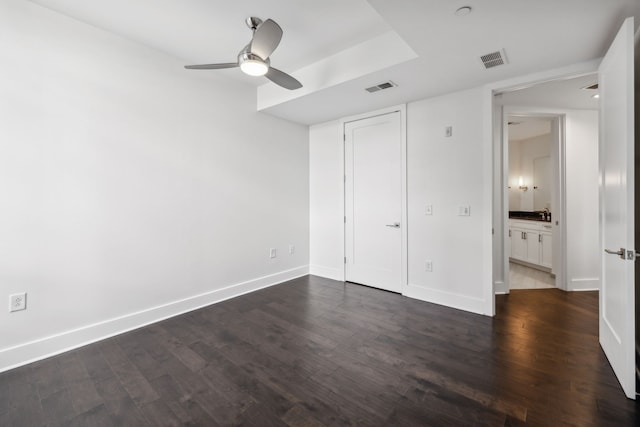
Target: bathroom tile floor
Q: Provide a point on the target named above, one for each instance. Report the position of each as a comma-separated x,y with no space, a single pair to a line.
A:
523,277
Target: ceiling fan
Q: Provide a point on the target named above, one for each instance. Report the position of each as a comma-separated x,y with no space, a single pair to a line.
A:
253,59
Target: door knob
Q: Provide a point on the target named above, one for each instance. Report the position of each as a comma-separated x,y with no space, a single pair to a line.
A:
621,253
394,225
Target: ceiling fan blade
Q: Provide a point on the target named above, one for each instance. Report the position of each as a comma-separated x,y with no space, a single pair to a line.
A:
282,79
266,38
211,66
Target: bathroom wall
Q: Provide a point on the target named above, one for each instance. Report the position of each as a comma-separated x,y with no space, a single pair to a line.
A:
522,154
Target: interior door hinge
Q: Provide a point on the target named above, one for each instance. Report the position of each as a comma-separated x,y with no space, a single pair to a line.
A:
345,260
344,137
345,219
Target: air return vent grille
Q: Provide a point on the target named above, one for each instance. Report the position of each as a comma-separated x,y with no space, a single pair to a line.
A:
381,86
494,59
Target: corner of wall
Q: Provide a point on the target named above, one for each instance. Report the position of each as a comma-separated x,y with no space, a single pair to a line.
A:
583,284
326,272
447,299
42,348
500,288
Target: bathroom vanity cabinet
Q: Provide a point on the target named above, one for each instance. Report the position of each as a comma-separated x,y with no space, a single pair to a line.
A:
531,241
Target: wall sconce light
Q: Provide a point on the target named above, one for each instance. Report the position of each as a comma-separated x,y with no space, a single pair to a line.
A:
521,185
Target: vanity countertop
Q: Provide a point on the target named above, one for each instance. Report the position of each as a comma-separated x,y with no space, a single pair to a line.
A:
519,218
528,216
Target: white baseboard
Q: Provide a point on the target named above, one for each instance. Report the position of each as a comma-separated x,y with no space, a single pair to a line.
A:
22,354
327,272
584,284
436,296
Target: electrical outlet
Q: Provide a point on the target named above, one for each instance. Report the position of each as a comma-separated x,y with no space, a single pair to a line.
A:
292,249
272,253
428,210
428,265
18,302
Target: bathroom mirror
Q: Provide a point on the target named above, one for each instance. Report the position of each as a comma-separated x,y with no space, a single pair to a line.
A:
541,183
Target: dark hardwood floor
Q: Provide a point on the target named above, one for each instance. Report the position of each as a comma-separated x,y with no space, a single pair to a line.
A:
315,352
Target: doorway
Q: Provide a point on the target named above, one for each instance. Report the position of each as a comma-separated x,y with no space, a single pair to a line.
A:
570,105
615,133
533,143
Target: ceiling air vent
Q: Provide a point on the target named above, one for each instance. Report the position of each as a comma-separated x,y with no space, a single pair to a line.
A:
381,86
494,59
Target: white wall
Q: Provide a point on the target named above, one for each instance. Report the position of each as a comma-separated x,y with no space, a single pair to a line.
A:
582,221
447,173
443,172
132,189
522,153
326,223
515,194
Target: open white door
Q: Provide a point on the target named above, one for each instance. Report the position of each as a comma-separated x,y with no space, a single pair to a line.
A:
617,305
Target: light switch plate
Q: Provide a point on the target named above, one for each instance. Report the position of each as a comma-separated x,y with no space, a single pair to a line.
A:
448,131
464,210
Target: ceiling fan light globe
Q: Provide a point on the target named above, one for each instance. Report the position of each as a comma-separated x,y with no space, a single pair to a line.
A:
254,67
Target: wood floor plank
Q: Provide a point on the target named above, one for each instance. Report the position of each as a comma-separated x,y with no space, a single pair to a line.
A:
178,348
229,376
181,404
457,406
158,413
316,352
84,396
128,374
123,411
48,377
94,363
16,386
27,412
58,407
299,416
95,417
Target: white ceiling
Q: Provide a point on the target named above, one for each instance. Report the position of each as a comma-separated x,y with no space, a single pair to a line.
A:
562,94
525,127
536,35
565,94
208,31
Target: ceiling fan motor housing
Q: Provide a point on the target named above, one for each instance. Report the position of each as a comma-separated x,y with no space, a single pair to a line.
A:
253,22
